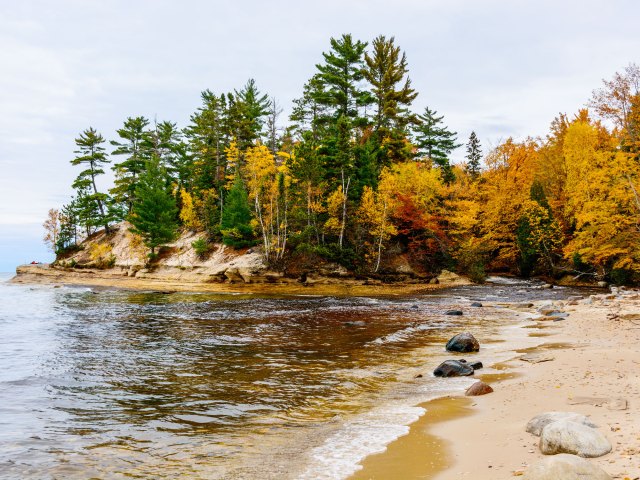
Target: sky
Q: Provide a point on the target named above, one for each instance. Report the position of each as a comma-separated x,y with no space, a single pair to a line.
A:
501,68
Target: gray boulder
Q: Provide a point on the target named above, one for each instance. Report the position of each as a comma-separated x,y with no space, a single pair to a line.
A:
537,423
565,467
453,368
565,436
463,342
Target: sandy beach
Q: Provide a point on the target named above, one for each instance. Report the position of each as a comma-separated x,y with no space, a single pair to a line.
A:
590,366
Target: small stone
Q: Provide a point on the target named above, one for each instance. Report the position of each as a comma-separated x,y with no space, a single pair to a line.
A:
453,312
453,368
463,342
478,388
476,304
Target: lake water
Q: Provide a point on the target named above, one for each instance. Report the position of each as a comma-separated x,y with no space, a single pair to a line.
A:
116,384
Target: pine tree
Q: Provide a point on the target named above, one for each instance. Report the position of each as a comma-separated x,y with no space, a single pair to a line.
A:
339,77
154,213
387,72
127,171
91,154
247,111
474,155
436,141
235,225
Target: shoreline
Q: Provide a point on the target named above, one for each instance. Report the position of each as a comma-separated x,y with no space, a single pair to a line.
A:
592,359
45,275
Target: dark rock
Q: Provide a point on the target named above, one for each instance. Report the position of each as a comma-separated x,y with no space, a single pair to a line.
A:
453,312
478,388
476,304
418,376
476,365
415,307
463,342
453,368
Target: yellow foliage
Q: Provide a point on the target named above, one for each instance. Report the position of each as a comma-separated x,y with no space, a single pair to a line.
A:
188,213
101,255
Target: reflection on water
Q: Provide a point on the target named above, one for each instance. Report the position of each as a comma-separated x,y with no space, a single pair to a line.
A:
114,384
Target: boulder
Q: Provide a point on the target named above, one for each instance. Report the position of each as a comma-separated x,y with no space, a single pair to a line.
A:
566,436
463,342
565,467
453,312
476,365
478,388
537,423
476,304
453,368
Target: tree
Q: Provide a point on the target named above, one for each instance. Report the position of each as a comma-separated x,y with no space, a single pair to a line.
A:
52,229
339,77
91,155
235,225
436,141
474,155
374,213
387,72
247,109
154,212
127,171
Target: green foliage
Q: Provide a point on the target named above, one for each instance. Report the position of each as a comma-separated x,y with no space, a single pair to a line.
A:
474,156
200,247
235,225
154,213
436,141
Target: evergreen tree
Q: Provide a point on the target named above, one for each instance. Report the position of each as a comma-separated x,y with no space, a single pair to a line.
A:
387,72
339,77
474,155
127,171
247,111
91,155
154,213
436,141
236,217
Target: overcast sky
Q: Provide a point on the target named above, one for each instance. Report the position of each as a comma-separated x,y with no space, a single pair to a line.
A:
501,68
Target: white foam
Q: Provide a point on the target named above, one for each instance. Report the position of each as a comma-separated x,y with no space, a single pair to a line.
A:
339,456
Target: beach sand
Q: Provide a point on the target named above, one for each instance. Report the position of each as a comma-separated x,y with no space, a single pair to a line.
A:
595,353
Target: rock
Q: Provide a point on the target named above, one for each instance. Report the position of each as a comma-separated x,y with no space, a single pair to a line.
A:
478,388
537,357
415,307
463,342
453,312
476,365
453,368
547,285
603,284
565,467
522,305
476,304
537,423
566,436
356,323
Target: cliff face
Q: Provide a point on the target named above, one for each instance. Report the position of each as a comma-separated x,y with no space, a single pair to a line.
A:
120,259
122,253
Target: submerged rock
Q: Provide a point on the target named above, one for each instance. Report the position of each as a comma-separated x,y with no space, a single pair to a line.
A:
463,342
453,312
537,423
478,388
566,436
565,467
453,368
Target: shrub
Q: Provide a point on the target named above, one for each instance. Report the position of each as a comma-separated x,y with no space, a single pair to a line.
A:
200,247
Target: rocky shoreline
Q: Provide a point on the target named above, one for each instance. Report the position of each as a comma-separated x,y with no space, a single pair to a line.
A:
562,410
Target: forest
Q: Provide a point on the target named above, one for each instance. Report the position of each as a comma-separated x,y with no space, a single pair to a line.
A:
356,177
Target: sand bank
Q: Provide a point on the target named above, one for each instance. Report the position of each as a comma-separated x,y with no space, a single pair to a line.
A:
592,358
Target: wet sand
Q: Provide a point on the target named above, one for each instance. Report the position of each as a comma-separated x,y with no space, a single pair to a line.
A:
594,353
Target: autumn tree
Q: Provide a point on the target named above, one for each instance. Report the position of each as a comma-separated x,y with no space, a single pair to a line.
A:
52,229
